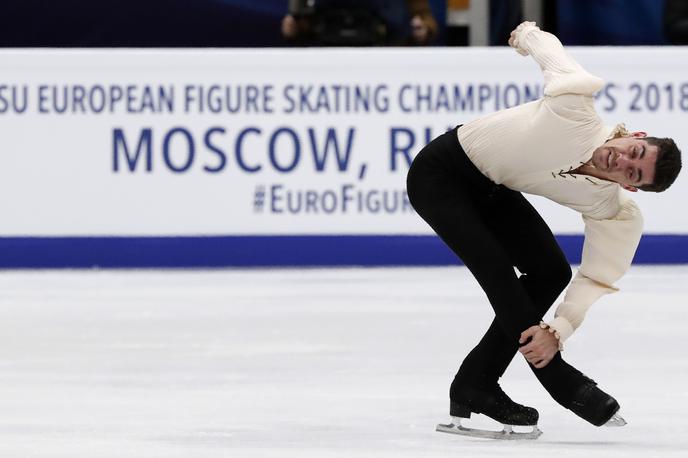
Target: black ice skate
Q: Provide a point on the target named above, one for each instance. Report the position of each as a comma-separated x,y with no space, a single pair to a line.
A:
595,406
496,405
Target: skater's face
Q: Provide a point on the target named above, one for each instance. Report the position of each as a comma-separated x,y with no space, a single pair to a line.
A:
629,161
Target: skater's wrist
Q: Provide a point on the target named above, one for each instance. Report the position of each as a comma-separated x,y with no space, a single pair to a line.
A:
554,332
563,326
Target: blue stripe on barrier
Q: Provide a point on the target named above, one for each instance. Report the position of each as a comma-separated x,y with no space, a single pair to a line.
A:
280,251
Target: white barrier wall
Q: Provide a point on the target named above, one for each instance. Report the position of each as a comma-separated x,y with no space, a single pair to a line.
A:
251,142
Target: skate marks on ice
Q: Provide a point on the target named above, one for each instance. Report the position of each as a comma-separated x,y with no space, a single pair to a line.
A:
508,432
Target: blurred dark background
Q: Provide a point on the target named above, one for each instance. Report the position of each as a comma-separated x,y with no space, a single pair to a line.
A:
237,23
146,23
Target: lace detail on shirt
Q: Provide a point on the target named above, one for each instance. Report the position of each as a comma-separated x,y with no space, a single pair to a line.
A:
564,173
571,173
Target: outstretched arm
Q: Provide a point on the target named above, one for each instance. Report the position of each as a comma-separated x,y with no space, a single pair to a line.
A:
563,75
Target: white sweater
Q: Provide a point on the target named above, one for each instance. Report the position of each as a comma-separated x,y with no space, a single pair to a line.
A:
533,147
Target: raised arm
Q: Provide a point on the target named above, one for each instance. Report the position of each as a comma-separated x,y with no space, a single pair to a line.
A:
563,75
609,247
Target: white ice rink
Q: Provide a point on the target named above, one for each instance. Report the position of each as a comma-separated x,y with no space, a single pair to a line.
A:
310,363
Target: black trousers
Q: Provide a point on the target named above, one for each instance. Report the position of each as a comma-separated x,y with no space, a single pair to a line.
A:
492,229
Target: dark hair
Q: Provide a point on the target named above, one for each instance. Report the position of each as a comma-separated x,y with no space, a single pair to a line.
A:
668,164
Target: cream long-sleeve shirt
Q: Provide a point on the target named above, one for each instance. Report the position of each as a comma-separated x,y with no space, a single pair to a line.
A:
536,147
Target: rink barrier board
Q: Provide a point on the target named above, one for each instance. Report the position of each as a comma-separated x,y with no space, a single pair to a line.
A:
276,251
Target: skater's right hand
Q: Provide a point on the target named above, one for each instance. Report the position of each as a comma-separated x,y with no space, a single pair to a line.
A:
514,35
542,347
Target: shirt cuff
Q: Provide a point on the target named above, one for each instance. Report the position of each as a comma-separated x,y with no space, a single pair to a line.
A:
520,32
562,326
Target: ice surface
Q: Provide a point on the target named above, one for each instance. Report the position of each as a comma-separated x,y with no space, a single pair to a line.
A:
310,363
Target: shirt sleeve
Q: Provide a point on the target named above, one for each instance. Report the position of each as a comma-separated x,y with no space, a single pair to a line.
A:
563,75
608,250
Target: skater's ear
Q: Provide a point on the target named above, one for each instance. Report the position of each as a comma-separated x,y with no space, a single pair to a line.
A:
629,188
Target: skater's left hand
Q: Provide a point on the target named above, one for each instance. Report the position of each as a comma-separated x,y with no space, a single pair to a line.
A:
542,347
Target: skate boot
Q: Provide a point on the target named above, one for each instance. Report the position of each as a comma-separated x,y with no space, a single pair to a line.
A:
595,406
495,404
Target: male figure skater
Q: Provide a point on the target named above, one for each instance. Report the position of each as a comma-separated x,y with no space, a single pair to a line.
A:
467,185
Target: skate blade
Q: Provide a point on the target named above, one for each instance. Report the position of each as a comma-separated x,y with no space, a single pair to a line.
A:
507,433
616,421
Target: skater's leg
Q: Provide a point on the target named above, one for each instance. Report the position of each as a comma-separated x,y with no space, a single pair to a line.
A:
452,211
545,272
452,214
